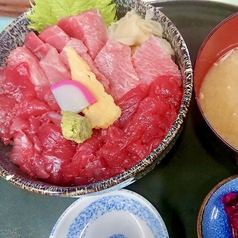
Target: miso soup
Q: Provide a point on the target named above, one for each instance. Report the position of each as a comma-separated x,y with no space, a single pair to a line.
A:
219,97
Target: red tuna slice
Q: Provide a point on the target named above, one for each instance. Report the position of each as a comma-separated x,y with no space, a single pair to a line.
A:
36,45
85,154
44,93
168,87
40,149
114,61
54,36
150,61
28,108
23,154
54,68
56,152
89,27
86,166
81,49
130,102
6,105
2,76
22,54
17,82
19,124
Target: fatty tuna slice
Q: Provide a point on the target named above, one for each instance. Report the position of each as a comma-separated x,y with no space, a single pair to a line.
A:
36,45
54,68
54,36
150,61
21,55
114,61
78,45
89,27
82,50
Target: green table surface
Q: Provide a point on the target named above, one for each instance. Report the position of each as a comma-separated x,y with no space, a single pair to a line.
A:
178,185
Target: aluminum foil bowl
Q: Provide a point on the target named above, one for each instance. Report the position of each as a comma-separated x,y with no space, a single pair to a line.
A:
14,35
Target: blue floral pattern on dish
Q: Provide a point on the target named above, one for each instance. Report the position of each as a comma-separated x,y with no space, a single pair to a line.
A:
114,203
117,214
118,236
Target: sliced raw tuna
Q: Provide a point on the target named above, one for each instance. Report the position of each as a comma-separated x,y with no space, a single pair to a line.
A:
87,166
168,87
23,154
94,37
56,152
78,45
32,41
40,149
83,52
129,103
114,61
99,75
2,76
54,68
150,61
44,94
19,124
30,115
54,36
80,160
17,82
22,54
6,105
28,108
36,45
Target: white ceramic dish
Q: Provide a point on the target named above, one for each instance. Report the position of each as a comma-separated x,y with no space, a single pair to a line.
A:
117,214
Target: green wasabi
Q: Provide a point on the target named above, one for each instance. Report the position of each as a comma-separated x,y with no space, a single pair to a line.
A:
75,127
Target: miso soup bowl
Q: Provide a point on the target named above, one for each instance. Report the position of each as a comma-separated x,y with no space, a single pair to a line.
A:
223,38
13,36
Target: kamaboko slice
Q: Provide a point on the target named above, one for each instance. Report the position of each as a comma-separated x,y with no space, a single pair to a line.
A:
72,95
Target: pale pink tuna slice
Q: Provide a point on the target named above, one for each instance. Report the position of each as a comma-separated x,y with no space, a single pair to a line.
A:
150,61
99,75
88,27
54,36
114,61
82,50
22,54
54,68
36,45
78,45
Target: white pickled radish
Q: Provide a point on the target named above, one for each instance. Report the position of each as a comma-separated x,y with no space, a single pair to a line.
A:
72,95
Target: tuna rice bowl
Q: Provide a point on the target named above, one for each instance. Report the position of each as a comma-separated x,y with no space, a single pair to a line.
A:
83,101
